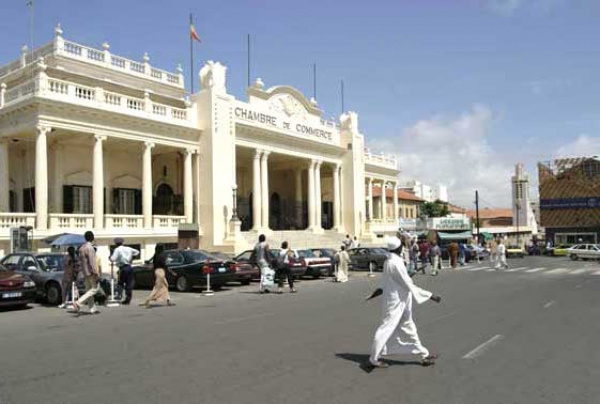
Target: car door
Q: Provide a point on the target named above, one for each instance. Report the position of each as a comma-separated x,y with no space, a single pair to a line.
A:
176,263
144,274
30,267
594,251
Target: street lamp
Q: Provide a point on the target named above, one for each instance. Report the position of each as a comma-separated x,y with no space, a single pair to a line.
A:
234,214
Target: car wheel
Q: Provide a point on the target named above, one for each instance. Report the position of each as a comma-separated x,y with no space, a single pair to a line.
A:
574,257
53,294
372,266
245,282
182,285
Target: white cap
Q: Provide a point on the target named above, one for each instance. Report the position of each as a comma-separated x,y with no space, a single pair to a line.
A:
392,243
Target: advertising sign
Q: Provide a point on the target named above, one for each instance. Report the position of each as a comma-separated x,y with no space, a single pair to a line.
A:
570,203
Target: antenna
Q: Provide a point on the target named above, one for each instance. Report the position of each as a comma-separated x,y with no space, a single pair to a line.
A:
30,5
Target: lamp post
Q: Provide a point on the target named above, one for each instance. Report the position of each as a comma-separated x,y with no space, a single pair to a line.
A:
234,213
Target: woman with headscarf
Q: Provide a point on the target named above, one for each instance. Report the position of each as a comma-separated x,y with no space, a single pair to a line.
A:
161,286
68,276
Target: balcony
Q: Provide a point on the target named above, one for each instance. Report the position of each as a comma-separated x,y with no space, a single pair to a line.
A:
99,57
381,160
380,226
95,97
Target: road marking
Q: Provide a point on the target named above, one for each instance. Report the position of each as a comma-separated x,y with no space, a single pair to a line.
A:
238,319
579,271
477,268
483,347
532,270
597,273
549,304
516,269
557,271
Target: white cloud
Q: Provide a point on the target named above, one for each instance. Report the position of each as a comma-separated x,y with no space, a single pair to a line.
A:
582,146
454,151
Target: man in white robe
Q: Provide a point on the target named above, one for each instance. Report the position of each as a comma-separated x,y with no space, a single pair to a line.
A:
343,260
397,333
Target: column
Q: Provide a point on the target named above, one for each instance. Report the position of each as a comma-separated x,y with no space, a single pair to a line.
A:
4,177
147,184
41,177
57,179
256,193
337,212
188,190
298,197
311,195
395,201
370,191
264,187
98,182
318,198
383,202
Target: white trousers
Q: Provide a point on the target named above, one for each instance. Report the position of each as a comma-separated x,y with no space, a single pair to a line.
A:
397,334
91,288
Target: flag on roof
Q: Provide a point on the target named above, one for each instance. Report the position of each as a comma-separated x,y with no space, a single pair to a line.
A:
193,33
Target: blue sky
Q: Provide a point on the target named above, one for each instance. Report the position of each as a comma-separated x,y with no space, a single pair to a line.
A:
461,90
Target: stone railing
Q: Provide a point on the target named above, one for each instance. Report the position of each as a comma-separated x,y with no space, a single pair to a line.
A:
124,221
99,57
96,97
8,220
70,221
380,226
167,221
381,160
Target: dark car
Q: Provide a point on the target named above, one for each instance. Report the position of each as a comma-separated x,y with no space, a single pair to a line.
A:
297,266
326,253
371,258
190,267
244,271
46,270
15,289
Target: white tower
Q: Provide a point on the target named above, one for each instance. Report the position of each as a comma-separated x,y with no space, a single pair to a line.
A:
521,202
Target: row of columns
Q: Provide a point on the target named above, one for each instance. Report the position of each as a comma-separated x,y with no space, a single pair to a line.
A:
383,200
41,180
260,193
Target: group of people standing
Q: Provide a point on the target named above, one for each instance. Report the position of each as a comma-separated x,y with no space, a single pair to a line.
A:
85,261
262,256
498,254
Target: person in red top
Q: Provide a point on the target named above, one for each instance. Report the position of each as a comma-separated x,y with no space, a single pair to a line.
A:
424,255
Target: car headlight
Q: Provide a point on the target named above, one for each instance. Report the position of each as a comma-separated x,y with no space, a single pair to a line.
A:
29,284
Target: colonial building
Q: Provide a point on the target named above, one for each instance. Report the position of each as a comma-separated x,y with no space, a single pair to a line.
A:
570,199
91,140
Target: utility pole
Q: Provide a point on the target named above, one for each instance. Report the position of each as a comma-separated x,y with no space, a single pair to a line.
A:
477,215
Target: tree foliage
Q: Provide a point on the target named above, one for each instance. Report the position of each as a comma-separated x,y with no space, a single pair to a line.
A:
434,209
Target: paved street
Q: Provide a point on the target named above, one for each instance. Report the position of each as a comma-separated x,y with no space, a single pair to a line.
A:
525,335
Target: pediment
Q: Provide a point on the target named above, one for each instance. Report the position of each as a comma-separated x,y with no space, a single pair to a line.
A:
287,100
81,178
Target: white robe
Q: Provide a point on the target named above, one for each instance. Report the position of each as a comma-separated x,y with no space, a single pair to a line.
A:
397,333
342,272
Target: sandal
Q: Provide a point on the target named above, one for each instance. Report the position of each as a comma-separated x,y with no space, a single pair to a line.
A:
379,365
429,360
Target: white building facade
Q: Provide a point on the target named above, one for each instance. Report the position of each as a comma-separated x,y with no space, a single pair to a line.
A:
430,193
523,214
93,141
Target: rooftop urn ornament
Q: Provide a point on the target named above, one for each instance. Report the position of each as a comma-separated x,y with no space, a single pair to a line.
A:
313,101
146,58
58,30
258,84
105,46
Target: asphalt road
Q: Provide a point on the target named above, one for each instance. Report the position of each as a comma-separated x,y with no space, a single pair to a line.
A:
525,336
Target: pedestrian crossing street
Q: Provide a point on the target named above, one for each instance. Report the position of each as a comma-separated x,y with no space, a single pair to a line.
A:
567,268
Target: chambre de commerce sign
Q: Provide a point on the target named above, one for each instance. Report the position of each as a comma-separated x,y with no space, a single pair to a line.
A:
298,128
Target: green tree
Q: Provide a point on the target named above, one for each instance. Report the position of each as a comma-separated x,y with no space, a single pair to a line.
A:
434,209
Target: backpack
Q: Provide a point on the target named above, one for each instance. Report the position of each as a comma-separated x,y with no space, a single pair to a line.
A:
281,260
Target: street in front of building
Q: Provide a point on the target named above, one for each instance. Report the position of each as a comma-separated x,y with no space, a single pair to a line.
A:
526,334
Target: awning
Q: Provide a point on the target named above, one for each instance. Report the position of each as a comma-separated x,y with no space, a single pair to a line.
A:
487,236
465,235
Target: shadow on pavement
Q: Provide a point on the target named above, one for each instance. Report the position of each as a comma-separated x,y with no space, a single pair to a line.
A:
363,361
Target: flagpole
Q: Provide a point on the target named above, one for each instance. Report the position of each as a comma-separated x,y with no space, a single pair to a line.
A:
248,60
342,93
191,57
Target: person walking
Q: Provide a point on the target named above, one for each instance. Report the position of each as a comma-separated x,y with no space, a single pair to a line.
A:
424,255
343,259
283,268
123,256
355,243
160,292
414,256
501,251
347,242
453,252
69,275
462,250
397,332
101,291
435,254
87,265
261,255
494,253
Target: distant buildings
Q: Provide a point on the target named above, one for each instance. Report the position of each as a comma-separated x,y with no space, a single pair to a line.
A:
570,199
428,193
523,215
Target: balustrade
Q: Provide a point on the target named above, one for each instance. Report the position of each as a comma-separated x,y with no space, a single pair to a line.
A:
8,220
167,221
71,221
124,221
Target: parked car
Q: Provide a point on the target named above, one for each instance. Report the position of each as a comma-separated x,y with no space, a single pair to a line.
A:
326,253
559,250
315,266
484,253
46,270
534,249
15,289
190,267
370,258
297,267
584,251
515,251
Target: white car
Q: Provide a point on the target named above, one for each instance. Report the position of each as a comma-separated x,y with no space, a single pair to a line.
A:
584,251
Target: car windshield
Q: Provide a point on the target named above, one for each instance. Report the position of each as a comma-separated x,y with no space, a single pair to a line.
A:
200,256
51,262
306,254
378,251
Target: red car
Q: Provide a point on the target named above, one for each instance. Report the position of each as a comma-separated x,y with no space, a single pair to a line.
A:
297,266
15,289
244,271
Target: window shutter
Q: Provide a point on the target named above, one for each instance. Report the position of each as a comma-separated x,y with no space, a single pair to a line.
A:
116,209
67,199
138,201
